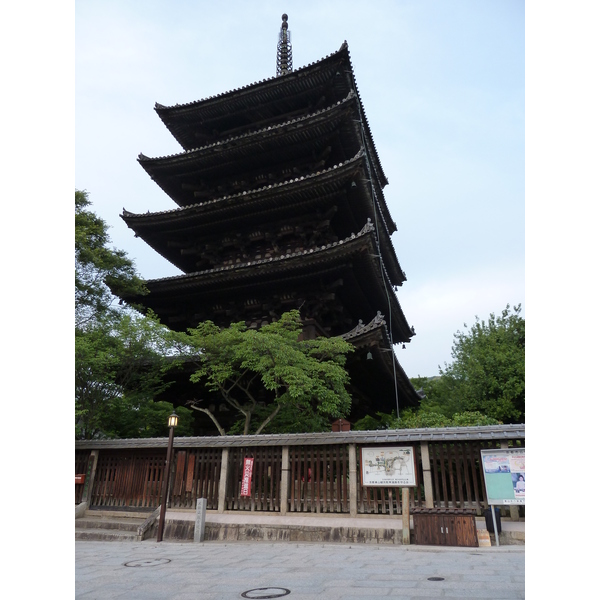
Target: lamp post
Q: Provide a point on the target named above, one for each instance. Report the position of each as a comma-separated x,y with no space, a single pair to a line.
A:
173,419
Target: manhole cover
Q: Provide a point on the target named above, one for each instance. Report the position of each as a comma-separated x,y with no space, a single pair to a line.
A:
151,562
268,592
435,579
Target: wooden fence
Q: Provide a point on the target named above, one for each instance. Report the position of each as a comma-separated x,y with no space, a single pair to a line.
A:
197,473
128,480
296,475
319,479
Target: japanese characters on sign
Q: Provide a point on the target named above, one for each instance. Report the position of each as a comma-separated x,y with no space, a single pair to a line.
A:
388,466
504,475
247,476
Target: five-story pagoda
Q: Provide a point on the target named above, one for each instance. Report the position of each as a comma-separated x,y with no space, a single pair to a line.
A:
280,206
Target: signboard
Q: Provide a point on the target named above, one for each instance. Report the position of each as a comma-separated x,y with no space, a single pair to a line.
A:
388,466
504,475
247,477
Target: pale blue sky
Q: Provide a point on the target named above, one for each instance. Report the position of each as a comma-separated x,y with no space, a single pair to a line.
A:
443,86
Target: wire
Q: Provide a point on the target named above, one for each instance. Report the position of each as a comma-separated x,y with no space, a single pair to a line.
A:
383,277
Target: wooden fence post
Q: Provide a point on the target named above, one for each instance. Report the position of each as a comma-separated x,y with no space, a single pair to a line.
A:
405,516
353,481
223,480
427,484
285,479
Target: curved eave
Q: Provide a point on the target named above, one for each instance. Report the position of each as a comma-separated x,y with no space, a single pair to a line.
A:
254,150
356,247
249,270
155,228
375,336
242,202
246,196
282,134
178,118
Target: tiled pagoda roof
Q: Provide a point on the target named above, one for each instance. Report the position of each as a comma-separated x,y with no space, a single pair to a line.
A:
252,207
263,101
357,253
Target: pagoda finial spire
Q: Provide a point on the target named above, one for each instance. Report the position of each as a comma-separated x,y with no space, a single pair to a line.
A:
284,48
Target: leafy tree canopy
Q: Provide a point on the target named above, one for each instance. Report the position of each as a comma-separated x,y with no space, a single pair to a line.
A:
120,355
411,419
96,265
260,372
487,374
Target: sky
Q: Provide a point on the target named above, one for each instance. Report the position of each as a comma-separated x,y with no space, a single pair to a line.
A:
443,88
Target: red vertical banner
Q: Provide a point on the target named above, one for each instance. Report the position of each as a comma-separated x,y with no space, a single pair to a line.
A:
247,476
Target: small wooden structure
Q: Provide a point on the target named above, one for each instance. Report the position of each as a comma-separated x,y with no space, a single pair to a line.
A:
341,425
445,527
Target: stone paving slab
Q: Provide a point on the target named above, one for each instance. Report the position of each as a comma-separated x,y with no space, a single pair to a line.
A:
223,571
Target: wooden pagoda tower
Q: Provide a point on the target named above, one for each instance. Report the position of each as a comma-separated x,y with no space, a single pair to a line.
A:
280,206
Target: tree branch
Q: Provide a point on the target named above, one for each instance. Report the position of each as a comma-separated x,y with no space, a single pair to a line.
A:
214,419
268,419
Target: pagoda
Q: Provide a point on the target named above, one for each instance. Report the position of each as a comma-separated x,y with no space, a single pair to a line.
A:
280,206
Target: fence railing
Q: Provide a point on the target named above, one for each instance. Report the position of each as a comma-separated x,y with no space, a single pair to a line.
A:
312,473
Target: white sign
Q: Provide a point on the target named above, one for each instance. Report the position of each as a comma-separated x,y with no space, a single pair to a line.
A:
504,475
388,466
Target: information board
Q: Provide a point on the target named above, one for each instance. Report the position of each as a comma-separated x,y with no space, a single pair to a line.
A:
504,475
388,466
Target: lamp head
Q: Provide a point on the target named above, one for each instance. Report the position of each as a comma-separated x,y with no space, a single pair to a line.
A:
173,419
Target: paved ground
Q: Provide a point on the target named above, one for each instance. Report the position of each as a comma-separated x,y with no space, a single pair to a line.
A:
220,571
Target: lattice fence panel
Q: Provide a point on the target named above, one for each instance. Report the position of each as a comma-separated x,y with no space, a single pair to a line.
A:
319,479
456,473
129,479
197,474
266,479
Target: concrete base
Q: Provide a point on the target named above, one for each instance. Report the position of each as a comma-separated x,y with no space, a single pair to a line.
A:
271,527
184,530
245,526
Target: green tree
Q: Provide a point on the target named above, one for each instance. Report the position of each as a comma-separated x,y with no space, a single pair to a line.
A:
292,418
487,374
97,265
120,365
418,419
120,355
270,367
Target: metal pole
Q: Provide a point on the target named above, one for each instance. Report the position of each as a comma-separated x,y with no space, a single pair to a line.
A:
163,502
492,506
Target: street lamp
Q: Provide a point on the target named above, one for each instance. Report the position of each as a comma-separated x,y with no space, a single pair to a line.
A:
172,422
